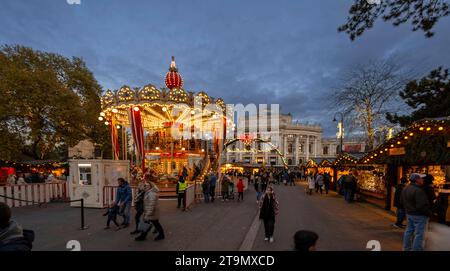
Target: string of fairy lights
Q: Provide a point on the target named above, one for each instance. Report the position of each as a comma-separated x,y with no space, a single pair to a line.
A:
425,127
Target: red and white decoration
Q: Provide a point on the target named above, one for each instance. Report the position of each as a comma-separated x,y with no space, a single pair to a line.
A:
114,139
138,133
173,78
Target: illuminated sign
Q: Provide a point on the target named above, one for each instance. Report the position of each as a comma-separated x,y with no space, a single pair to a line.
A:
397,151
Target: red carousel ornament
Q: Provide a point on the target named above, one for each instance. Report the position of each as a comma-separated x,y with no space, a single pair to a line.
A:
173,78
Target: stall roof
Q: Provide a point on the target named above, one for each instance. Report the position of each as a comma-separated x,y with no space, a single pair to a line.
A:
348,158
424,142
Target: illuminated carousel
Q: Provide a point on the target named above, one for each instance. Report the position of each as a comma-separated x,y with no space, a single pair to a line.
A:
170,128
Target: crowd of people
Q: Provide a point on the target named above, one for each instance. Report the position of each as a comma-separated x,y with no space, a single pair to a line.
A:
35,177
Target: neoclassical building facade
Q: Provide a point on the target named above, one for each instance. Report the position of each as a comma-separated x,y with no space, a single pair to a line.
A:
296,141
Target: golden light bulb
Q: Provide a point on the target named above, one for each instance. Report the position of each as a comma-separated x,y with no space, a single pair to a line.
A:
106,123
136,108
164,109
102,114
115,110
100,118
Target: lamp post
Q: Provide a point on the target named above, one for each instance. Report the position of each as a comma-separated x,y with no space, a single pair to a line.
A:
341,129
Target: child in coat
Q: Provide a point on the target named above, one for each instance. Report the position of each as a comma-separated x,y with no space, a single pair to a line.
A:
112,212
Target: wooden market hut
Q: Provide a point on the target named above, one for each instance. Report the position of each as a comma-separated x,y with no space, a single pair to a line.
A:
344,164
422,147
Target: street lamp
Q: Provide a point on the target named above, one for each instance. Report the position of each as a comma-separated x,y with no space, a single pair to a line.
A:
340,133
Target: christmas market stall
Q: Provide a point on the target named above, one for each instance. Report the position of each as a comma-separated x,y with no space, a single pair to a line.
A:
422,147
343,165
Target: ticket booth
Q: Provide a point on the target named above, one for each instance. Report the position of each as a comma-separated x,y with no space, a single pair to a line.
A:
89,177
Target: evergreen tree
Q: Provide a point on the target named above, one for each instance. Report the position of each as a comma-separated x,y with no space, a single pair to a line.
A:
429,97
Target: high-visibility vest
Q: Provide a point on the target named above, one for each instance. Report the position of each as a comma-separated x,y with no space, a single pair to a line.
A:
181,187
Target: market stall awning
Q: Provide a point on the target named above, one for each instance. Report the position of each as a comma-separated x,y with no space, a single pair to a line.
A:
424,142
346,159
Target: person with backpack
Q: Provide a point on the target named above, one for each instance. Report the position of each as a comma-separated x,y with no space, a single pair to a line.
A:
349,186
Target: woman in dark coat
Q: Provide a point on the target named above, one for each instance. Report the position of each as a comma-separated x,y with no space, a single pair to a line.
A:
139,205
268,211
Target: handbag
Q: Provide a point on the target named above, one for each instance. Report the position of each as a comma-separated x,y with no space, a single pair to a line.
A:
144,226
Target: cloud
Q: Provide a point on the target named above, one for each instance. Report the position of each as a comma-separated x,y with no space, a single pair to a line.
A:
286,52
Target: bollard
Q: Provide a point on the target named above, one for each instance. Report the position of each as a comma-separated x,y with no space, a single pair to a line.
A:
82,215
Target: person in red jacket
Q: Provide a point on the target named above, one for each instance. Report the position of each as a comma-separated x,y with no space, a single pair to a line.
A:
240,189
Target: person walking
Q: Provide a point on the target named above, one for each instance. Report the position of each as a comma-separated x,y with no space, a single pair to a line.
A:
311,184
268,211
123,201
418,210
258,188
206,189
326,182
225,186
181,192
240,189
319,182
212,186
151,212
139,205
401,213
349,186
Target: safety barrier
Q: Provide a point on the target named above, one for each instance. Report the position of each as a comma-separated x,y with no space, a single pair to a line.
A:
29,194
190,195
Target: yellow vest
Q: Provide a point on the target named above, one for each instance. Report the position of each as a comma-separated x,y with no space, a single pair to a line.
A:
181,187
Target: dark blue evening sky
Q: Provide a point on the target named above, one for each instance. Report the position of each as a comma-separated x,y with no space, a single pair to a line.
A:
285,51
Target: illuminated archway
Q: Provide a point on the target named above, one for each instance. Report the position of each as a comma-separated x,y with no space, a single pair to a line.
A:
248,140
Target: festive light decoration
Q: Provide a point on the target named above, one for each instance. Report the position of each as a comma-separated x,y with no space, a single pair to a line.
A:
431,127
161,110
100,118
173,78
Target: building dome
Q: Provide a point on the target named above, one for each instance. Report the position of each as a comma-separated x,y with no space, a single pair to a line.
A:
173,78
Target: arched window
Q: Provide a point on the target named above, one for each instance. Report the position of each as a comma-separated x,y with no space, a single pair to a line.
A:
338,148
325,150
290,162
290,148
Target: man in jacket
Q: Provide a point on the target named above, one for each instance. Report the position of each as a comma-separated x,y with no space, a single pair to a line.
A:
417,206
123,200
212,186
349,186
401,213
181,192
12,236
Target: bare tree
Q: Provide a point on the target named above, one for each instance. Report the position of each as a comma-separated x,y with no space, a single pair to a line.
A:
367,93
